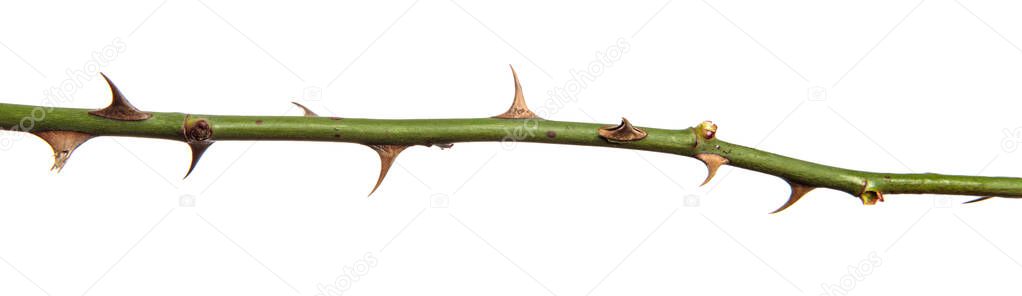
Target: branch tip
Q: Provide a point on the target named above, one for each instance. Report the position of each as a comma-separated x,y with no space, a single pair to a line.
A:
120,108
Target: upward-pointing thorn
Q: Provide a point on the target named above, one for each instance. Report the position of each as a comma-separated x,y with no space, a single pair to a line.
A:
518,108
306,109
62,143
120,108
388,153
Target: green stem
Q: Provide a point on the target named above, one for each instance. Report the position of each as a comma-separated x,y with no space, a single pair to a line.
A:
686,142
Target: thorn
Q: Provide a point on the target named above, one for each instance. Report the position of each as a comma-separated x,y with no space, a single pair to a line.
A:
307,111
198,148
518,108
713,162
62,143
978,199
120,108
388,153
621,133
797,191
198,134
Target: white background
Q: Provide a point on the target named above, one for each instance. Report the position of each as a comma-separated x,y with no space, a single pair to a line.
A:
899,86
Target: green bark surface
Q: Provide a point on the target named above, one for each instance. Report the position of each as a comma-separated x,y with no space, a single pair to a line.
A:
685,142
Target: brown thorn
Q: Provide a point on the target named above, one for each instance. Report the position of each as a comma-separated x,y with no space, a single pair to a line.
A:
797,191
62,143
198,134
120,108
978,199
307,111
518,108
713,162
388,153
198,148
623,132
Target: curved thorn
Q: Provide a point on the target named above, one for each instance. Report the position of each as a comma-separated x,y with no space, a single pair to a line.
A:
713,162
307,111
797,191
978,199
63,144
120,108
623,132
198,148
388,153
518,108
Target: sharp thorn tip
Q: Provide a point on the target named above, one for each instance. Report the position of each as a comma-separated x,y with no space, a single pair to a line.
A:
713,162
388,153
308,112
978,200
797,192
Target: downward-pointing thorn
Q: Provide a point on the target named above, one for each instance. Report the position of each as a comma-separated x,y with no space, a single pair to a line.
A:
388,153
307,111
797,191
198,133
62,143
198,148
978,199
120,108
713,162
518,108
